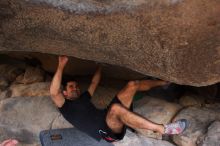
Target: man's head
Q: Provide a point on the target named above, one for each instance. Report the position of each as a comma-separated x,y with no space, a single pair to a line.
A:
71,90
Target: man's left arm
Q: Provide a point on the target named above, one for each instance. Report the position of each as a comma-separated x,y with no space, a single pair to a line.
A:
95,81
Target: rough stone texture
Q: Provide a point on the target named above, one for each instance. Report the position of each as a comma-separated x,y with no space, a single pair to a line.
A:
199,120
176,40
60,122
24,117
156,110
31,75
31,90
132,139
75,66
212,137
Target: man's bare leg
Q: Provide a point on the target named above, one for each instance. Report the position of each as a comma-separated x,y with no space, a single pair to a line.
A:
126,97
127,93
119,116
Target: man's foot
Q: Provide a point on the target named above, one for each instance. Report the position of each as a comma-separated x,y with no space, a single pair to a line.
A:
175,128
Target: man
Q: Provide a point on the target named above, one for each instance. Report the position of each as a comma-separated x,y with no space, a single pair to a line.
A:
110,123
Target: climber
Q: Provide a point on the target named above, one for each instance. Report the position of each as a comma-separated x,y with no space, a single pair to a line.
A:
110,123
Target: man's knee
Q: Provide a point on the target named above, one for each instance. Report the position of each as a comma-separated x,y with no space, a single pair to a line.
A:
133,85
115,109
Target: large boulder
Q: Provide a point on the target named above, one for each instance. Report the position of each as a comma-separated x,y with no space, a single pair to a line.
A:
212,137
155,110
199,119
173,40
132,139
31,75
24,117
31,90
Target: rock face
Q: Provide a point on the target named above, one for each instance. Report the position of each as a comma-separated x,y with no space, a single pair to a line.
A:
156,110
131,139
31,75
199,120
24,117
176,40
32,90
212,137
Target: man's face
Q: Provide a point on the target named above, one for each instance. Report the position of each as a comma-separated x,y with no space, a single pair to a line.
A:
72,90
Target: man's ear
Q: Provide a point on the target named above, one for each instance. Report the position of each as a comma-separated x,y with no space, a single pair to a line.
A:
64,92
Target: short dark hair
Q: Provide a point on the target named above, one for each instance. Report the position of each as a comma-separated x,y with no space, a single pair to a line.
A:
65,82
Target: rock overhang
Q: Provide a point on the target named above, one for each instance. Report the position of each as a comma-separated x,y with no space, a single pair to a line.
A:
176,41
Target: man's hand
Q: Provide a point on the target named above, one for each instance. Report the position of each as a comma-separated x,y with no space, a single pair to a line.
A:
62,61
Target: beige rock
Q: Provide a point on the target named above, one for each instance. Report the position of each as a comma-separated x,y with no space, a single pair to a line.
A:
31,75
35,89
156,110
199,119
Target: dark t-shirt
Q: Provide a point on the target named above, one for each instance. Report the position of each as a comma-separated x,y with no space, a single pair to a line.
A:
84,115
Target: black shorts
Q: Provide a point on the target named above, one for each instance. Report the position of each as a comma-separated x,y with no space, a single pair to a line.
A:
106,133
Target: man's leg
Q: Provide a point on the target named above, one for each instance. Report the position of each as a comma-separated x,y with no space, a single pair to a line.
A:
115,120
127,93
118,116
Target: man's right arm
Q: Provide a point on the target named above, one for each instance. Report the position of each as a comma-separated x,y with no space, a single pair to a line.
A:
55,91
